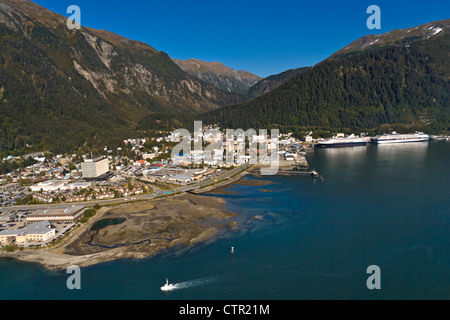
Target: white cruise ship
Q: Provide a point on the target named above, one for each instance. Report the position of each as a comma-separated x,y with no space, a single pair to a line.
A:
337,142
395,137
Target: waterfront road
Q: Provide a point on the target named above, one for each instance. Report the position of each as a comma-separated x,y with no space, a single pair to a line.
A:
156,193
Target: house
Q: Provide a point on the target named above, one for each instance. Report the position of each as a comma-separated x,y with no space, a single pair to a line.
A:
139,163
107,195
43,197
148,156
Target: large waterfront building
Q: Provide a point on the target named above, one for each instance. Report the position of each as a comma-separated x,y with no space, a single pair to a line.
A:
94,168
68,214
40,231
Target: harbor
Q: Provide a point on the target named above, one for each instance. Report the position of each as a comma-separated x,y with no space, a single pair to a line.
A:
298,167
299,218
292,160
340,140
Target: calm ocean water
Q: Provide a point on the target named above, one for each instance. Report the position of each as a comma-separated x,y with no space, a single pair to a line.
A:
378,205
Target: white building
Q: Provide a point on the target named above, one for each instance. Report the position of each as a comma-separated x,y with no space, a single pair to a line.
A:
146,156
78,185
93,168
61,214
40,231
181,178
48,186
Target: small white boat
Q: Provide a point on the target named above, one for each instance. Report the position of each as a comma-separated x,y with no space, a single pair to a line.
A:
167,286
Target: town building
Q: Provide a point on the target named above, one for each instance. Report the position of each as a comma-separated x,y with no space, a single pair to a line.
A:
68,214
40,232
148,156
48,186
78,185
153,177
181,178
43,197
94,168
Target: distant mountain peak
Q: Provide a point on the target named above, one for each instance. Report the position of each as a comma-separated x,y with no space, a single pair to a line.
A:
219,75
400,37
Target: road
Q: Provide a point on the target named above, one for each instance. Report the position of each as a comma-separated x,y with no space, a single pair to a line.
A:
157,193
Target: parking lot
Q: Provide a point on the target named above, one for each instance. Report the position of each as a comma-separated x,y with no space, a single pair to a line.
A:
9,197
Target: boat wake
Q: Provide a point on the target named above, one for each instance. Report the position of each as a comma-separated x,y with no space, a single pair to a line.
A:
194,283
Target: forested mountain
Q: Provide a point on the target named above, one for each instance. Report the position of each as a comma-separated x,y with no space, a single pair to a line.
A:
404,82
230,80
272,82
61,88
395,38
167,121
219,75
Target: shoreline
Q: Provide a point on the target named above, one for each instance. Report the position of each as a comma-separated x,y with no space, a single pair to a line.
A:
169,224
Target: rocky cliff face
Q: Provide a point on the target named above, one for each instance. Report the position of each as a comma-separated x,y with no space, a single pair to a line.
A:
113,65
219,75
82,76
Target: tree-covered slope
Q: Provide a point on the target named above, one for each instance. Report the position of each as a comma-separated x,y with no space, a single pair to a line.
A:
407,83
62,88
272,82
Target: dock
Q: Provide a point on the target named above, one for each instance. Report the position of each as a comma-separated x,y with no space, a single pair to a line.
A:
297,167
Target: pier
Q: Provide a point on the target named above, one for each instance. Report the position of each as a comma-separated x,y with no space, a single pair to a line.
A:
297,167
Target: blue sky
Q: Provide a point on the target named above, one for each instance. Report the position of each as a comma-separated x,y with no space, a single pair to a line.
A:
262,37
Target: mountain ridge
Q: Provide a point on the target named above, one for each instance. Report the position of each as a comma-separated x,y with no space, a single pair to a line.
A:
118,80
272,82
398,37
400,82
219,75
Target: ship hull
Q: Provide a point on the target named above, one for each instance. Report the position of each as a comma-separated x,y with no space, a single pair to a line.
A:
400,141
340,145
